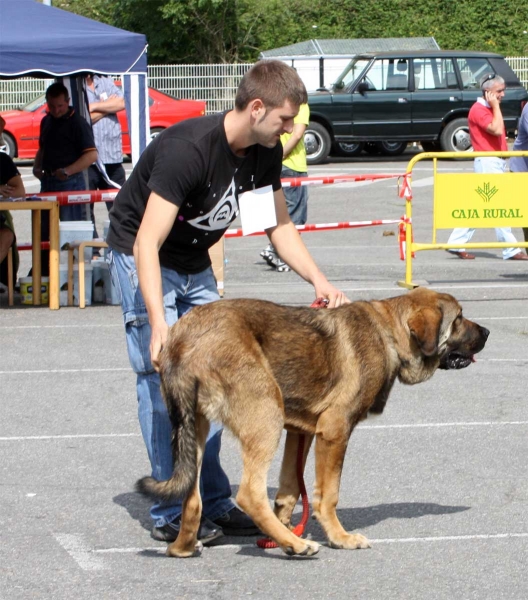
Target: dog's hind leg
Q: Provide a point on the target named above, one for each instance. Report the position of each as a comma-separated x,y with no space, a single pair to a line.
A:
259,435
289,490
330,448
187,544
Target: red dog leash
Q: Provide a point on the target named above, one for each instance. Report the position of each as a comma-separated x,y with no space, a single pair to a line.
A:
298,530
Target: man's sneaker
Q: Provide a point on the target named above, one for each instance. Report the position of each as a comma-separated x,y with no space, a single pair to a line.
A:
267,251
274,260
207,533
280,266
236,522
277,263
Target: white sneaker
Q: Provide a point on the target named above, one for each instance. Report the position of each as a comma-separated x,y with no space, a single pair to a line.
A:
267,252
280,266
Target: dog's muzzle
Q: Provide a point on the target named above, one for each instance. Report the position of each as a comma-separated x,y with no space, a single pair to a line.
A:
459,360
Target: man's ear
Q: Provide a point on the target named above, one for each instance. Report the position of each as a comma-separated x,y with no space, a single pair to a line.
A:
257,108
424,325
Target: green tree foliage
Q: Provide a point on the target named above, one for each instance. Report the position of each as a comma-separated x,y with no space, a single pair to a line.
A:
211,31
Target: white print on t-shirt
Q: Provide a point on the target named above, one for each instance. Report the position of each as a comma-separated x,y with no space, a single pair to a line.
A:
221,214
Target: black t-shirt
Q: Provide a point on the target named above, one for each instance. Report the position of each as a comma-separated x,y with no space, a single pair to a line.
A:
191,165
8,169
64,140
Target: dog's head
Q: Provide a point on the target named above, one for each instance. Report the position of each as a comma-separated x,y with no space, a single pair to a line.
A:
441,337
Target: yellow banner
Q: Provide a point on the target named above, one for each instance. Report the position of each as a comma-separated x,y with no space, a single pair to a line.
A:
480,200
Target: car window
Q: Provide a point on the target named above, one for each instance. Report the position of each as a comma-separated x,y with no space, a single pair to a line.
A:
434,74
354,68
35,103
388,74
472,71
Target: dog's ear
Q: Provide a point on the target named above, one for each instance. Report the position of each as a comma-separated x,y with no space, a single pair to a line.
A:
424,326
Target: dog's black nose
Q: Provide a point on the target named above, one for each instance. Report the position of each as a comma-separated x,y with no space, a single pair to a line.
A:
484,332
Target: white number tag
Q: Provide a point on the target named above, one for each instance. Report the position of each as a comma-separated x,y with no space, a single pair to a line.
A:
257,210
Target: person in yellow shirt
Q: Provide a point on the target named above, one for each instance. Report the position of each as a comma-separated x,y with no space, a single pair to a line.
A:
293,165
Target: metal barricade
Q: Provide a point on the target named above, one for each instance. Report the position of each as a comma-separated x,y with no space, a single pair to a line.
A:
474,200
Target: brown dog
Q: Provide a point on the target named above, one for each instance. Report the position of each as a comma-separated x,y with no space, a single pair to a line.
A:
259,367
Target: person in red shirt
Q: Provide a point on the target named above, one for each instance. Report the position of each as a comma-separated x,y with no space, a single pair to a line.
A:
487,132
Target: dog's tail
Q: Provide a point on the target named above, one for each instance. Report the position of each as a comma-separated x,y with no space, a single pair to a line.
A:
180,393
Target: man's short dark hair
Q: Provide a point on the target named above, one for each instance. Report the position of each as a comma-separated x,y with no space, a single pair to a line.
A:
273,82
57,89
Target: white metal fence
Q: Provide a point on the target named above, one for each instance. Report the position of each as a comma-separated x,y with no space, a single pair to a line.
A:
14,93
519,65
216,84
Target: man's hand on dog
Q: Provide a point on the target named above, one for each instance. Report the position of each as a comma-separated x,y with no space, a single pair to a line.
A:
334,296
157,341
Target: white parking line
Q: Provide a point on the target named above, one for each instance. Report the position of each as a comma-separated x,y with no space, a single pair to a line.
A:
121,369
452,425
422,182
91,326
450,538
45,371
83,556
77,436
437,425
410,540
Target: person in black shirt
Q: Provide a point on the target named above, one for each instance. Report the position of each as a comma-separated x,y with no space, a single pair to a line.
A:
179,200
66,149
11,186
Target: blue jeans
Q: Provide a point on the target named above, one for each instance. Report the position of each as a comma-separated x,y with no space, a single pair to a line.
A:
180,294
462,235
70,212
296,198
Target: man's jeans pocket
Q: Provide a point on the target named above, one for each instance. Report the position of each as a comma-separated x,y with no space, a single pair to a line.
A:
138,333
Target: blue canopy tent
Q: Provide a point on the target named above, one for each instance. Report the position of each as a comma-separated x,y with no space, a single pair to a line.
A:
42,41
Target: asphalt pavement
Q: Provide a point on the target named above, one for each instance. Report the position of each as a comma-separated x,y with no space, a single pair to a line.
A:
438,483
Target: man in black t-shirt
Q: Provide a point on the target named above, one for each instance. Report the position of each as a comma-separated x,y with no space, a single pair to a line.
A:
66,149
179,200
11,186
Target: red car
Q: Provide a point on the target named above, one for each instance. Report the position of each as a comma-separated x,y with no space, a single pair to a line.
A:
21,134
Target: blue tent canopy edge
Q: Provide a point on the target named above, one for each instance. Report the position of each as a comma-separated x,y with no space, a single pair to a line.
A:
40,39
43,41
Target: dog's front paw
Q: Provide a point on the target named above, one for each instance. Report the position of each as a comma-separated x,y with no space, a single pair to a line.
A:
350,542
178,552
306,548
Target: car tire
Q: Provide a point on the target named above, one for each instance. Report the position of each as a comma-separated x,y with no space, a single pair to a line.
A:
391,148
455,136
317,142
348,148
155,131
10,145
431,146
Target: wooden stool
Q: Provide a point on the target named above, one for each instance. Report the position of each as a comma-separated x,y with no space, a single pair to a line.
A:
72,246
